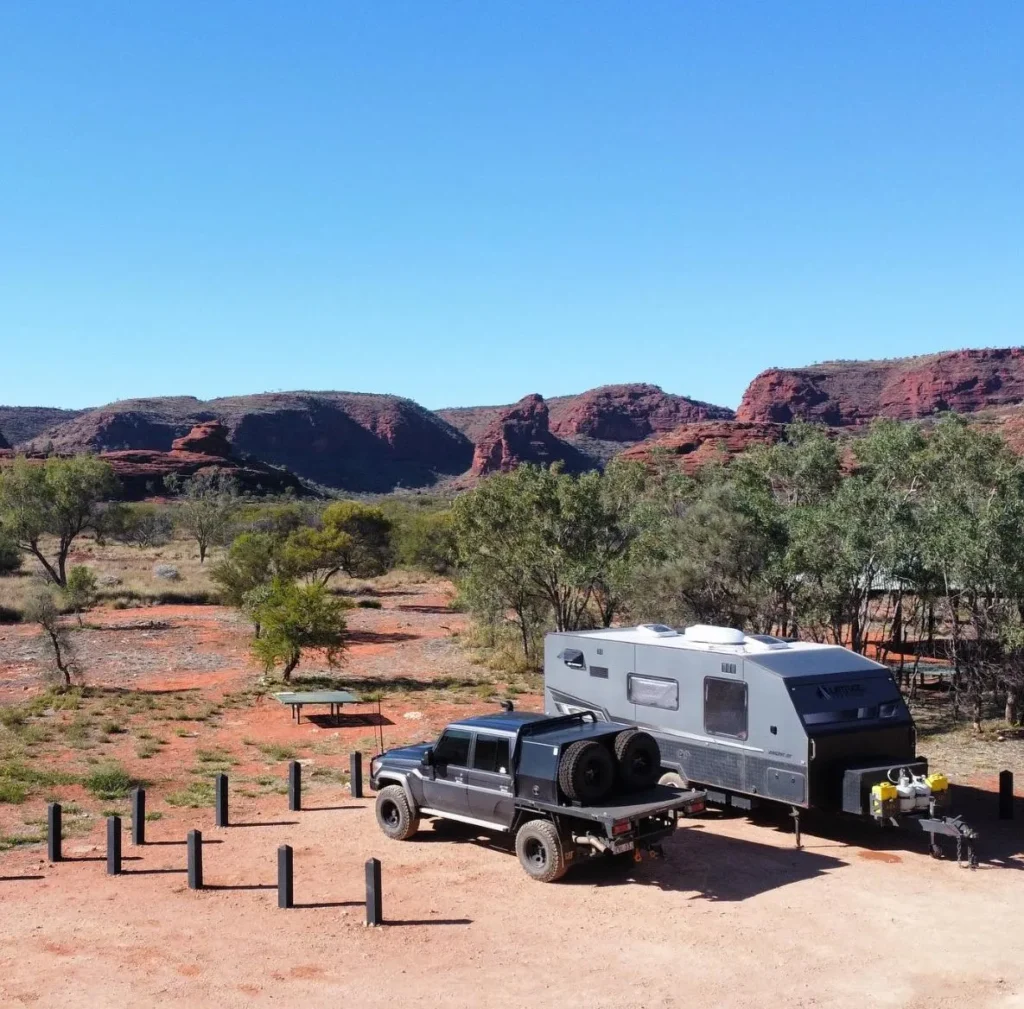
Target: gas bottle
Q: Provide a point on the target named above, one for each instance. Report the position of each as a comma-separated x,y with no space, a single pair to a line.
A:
922,792
907,791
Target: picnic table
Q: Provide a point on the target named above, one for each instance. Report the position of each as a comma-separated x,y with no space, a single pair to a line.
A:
335,698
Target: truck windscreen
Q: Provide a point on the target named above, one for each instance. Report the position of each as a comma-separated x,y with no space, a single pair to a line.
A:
837,700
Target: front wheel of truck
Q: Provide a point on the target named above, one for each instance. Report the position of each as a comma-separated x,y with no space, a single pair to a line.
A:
395,815
540,851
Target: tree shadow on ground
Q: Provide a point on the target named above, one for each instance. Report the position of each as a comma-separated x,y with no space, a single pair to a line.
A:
361,637
420,608
388,684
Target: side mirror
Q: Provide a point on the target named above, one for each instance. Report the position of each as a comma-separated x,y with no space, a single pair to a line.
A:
428,758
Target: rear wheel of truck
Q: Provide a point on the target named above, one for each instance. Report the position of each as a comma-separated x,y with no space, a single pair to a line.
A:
540,851
639,759
587,771
395,815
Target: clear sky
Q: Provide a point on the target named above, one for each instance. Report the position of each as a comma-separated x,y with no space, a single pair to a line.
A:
463,202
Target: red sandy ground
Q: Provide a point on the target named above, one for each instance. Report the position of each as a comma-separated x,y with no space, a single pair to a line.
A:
734,916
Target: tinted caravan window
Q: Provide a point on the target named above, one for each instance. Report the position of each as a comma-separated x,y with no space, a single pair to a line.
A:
653,692
725,708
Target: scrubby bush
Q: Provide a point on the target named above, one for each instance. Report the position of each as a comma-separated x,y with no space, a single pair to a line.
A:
10,556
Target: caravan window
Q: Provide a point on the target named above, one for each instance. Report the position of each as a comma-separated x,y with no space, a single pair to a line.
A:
653,691
573,658
725,708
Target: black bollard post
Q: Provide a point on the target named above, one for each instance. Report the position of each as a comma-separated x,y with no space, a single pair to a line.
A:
53,831
285,880
138,816
374,914
356,774
113,846
195,860
295,785
221,784
1006,795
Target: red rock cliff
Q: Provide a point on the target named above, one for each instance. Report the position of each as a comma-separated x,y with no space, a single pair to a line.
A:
842,393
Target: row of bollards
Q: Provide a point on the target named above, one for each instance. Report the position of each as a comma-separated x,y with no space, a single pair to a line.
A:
194,841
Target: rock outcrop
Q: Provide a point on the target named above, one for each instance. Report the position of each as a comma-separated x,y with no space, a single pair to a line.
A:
142,473
627,413
353,441
691,446
844,393
519,435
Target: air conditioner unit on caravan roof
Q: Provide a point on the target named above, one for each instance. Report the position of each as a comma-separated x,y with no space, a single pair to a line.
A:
708,634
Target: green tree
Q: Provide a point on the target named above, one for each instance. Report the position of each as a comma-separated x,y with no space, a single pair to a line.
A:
352,538
57,499
295,618
251,562
80,592
206,503
427,541
10,556
367,551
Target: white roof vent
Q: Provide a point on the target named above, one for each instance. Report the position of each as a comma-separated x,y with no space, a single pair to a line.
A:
708,634
658,630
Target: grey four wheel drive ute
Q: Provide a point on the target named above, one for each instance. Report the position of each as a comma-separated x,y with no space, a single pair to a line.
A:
565,787
752,718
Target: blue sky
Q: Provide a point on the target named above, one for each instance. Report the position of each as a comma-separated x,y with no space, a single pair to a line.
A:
465,202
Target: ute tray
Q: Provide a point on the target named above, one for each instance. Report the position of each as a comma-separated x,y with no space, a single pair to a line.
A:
634,806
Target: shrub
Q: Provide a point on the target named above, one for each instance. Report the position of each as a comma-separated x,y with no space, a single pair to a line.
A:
167,571
109,782
10,556
369,604
199,793
13,791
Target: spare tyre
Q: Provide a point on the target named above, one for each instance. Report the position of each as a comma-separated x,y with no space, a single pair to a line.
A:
638,758
586,771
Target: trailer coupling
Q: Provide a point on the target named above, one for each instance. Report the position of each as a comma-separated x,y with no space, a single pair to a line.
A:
950,826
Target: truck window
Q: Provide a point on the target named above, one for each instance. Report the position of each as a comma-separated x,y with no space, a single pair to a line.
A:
725,708
653,691
491,754
453,748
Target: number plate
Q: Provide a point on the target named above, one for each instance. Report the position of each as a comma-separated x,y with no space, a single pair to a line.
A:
622,846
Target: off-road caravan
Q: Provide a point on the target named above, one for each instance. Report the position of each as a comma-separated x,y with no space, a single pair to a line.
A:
750,717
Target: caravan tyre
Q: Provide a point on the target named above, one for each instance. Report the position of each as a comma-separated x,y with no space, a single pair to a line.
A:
586,772
638,758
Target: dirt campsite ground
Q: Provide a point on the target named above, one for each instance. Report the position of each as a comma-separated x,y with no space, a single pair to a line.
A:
734,916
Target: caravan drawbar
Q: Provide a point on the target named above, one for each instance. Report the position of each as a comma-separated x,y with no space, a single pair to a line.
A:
753,718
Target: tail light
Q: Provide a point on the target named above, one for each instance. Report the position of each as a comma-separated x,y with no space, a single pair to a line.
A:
697,806
620,827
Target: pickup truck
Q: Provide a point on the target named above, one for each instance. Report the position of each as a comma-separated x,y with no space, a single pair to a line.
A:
566,788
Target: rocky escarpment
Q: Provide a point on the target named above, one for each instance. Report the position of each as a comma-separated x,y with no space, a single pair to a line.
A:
844,393
22,423
520,435
691,446
355,441
627,413
141,472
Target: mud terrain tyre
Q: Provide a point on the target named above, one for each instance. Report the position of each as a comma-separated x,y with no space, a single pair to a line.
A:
540,851
638,759
586,772
395,816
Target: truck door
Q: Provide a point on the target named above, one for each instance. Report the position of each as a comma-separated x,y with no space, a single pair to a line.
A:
444,785
490,780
